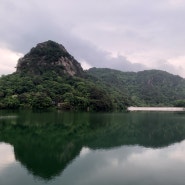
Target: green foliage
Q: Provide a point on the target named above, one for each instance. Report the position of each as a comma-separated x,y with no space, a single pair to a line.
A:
179,103
41,101
100,100
43,80
49,76
101,90
52,90
145,88
12,102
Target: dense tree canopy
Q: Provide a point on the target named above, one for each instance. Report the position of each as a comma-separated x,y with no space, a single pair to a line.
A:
145,88
51,90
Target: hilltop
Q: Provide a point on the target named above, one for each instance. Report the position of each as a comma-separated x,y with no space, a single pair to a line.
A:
49,56
48,76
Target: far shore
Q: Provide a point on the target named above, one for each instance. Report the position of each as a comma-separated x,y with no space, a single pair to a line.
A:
168,109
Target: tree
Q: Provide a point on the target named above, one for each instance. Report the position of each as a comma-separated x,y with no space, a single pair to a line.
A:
41,101
99,100
12,102
179,103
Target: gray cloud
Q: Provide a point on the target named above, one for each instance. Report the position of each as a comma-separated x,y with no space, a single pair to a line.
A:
166,66
94,31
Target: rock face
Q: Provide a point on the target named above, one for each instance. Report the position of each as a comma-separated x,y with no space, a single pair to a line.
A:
49,56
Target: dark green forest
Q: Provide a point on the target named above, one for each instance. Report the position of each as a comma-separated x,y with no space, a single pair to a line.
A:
49,77
145,88
51,90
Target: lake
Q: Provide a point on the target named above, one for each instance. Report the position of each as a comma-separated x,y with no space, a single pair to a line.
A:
73,148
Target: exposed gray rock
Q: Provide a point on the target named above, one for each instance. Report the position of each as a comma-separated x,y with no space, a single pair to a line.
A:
49,56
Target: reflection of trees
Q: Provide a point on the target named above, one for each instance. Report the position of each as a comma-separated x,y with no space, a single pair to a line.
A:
146,129
45,160
45,153
45,147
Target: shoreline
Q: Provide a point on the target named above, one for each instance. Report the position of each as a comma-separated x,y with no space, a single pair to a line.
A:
167,109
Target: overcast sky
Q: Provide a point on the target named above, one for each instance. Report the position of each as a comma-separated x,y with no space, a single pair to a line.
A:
129,35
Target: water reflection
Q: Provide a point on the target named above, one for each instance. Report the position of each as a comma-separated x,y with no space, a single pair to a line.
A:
6,155
129,165
95,148
122,165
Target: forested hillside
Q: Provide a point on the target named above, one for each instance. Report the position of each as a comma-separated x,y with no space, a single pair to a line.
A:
145,88
48,76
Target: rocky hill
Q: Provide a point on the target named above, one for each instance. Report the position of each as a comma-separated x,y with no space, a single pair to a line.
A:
48,76
49,56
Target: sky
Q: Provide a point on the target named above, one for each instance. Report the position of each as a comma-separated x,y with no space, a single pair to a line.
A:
128,35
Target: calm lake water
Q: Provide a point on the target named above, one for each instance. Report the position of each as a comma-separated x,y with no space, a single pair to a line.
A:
54,148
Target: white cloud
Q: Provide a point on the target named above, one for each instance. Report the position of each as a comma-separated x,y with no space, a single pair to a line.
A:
8,61
85,65
178,61
178,64
176,3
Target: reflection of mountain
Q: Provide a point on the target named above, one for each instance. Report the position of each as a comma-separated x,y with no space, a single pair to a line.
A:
44,155
45,148
44,159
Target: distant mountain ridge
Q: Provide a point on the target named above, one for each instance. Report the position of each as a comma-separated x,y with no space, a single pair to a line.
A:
146,88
